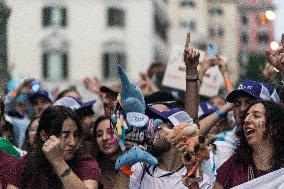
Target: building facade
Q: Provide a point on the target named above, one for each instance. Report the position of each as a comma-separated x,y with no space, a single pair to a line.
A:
209,21
66,40
256,29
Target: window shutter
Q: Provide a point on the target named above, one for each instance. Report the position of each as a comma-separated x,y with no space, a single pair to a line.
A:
65,66
64,16
44,65
46,13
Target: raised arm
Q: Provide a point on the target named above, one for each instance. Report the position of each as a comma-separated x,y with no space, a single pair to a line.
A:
276,58
191,60
53,152
208,122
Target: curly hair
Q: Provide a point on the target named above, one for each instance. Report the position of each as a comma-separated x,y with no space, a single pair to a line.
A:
274,127
38,169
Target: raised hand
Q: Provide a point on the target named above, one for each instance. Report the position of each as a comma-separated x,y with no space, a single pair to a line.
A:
52,150
92,85
276,58
190,57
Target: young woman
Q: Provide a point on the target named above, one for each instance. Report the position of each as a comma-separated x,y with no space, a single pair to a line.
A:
56,161
107,153
261,146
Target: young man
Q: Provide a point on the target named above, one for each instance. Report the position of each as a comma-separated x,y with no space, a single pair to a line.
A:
168,172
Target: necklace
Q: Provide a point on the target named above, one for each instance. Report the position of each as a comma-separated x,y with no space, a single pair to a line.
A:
250,173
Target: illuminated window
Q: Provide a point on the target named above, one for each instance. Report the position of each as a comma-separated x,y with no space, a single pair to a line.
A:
262,20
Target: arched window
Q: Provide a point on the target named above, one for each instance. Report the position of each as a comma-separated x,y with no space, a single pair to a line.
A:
54,57
114,54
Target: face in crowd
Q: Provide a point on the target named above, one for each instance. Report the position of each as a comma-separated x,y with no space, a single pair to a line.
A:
255,125
63,123
69,138
241,104
109,101
161,144
103,138
88,122
39,105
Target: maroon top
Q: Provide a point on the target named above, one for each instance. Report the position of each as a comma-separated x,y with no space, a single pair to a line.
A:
6,162
88,169
233,173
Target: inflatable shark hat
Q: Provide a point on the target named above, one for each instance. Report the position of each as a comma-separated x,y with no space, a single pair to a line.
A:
130,123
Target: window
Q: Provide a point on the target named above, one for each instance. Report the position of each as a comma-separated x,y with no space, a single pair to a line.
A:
187,3
55,66
189,25
262,20
54,16
216,31
262,37
110,61
244,38
244,20
161,27
216,11
116,17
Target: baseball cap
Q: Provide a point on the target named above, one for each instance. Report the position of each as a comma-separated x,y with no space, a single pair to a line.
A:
272,91
205,108
159,97
251,88
115,88
40,93
174,115
73,103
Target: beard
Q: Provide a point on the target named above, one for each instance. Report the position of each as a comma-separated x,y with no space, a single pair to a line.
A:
160,147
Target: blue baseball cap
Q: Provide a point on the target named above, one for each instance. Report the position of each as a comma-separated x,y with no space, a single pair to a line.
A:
73,103
205,108
251,88
272,91
174,115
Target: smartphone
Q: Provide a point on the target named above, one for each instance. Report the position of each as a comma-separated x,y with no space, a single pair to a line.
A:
212,50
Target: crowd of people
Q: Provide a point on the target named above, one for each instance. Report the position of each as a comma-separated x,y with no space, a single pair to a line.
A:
58,141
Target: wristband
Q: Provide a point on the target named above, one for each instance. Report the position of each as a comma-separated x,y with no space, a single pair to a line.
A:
219,113
66,172
192,78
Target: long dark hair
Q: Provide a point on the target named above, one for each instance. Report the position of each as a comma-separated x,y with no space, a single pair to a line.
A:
96,152
38,170
274,128
27,146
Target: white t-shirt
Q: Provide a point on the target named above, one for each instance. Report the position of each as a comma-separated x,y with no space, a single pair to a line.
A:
225,147
156,180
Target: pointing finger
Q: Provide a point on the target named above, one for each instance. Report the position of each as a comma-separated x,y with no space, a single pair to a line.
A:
187,41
